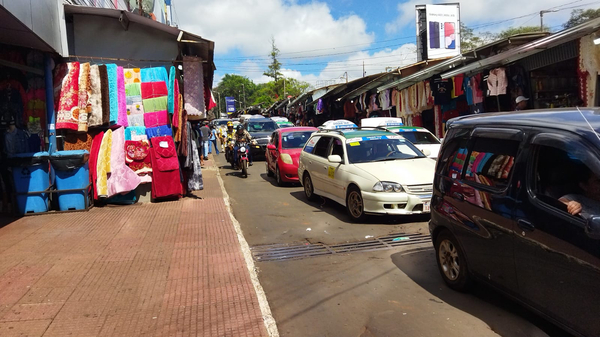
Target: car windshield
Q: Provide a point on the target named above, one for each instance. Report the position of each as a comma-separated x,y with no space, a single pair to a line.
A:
417,137
223,122
295,140
265,126
371,149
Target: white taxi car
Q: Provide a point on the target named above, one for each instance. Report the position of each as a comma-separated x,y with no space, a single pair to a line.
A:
369,171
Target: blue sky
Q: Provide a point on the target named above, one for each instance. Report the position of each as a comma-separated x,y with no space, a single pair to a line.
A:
322,40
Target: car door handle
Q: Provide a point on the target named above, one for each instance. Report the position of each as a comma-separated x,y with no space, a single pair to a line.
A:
525,225
459,196
325,167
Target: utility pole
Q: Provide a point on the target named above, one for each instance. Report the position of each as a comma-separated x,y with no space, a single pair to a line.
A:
244,89
542,17
363,68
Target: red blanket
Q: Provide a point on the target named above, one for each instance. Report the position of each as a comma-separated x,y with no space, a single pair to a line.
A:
166,180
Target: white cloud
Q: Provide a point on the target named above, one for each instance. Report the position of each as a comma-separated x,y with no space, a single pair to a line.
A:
479,12
248,25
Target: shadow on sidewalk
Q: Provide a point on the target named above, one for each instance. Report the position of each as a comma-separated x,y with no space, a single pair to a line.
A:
505,317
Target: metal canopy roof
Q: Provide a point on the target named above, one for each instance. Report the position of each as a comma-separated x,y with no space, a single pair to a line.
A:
423,74
14,32
529,48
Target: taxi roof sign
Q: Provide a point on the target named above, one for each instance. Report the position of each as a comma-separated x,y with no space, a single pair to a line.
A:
338,124
381,122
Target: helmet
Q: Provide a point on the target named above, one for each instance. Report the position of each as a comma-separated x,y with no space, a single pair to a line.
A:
240,127
229,124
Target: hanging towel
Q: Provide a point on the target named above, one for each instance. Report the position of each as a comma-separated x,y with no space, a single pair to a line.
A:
105,95
155,104
154,74
67,115
103,165
154,89
194,86
93,162
113,92
133,89
134,131
172,95
166,179
159,131
95,114
132,75
85,91
122,179
135,120
157,118
122,116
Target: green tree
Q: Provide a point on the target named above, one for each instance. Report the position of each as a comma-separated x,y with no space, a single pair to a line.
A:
239,87
579,16
469,40
519,30
275,66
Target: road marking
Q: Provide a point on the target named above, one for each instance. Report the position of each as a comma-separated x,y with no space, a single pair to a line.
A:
265,309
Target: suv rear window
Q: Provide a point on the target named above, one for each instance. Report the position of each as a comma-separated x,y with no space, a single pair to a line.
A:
490,161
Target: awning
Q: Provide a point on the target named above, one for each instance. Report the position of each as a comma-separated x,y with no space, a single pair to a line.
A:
16,33
321,92
301,98
367,86
423,74
529,48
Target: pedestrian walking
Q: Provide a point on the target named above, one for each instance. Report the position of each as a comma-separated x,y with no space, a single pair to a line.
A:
205,134
213,138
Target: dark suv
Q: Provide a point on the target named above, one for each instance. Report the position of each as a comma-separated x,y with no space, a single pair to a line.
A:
260,129
516,204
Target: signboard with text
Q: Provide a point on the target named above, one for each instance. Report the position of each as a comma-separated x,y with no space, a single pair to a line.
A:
230,105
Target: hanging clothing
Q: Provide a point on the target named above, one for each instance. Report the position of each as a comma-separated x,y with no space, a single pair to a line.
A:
476,86
458,85
194,86
122,179
93,162
67,114
195,181
103,165
85,90
15,141
171,91
105,94
349,110
441,89
122,111
165,168
113,92
95,99
497,82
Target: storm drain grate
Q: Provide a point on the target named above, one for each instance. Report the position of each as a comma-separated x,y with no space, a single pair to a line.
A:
278,252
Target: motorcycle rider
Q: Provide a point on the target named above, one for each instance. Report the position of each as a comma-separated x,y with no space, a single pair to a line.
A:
241,135
227,137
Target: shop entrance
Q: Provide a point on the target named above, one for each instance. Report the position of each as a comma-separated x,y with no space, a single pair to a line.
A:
556,86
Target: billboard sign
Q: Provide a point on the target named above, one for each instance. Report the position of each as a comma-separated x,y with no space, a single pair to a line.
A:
230,105
441,28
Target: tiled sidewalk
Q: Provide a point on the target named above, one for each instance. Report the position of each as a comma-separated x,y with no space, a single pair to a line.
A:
165,269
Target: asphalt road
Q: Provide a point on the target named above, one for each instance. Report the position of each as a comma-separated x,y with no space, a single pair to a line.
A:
394,292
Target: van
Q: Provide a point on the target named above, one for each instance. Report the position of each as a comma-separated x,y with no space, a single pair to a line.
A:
516,205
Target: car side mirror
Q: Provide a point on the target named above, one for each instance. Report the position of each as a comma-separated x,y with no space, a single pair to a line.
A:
334,158
426,152
271,147
592,227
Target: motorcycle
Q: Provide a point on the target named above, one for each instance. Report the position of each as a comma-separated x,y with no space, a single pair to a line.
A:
242,162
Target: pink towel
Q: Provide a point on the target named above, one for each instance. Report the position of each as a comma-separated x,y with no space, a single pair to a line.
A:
122,117
122,178
154,119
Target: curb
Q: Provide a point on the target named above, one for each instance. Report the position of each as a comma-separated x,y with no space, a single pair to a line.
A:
268,319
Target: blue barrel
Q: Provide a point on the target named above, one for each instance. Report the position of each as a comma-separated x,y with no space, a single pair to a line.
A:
30,174
72,173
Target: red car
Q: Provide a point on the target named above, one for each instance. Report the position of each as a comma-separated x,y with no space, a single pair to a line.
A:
283,152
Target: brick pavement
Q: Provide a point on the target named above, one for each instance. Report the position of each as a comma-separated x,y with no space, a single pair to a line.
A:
166,269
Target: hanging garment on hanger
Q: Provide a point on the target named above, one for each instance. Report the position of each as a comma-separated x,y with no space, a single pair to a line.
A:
132,75
166,179
67,114
85,90
195,181
122,115
194,86
93,162
95,99
122,178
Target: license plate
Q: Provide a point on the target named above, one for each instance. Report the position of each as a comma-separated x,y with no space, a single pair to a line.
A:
426,207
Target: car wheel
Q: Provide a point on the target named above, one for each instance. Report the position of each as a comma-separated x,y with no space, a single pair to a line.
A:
309,190
451,262
278,177
355,205
269,172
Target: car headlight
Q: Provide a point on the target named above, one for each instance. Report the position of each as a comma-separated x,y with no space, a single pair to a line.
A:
242,149
286,158
387,186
